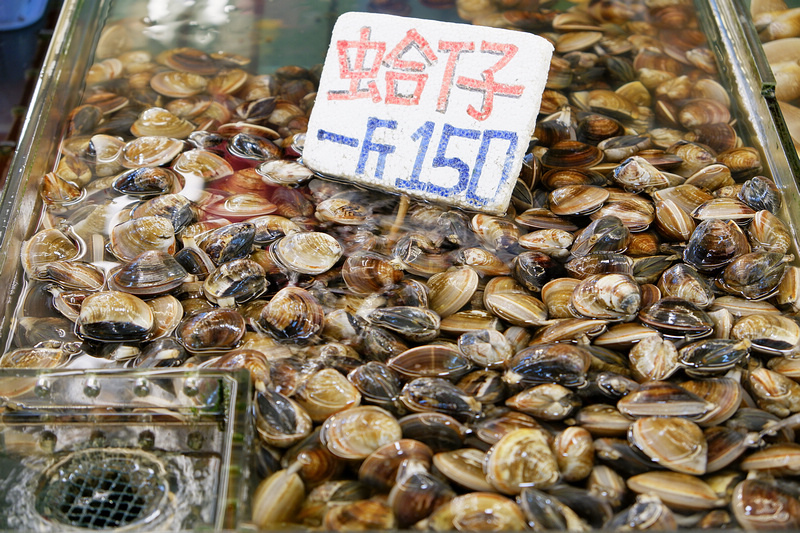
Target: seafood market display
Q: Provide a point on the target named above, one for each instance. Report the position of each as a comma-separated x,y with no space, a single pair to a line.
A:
619,351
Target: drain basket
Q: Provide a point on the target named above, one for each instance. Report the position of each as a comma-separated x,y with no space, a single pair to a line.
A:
123,450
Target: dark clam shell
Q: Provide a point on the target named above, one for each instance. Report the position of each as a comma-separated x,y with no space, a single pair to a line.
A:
147,181
564,364
711,356
605,235
227,243
534,269
280,421
253,147
678,317
440,396
211,330
113,316
369,272
151,272
414,323
440,431
240,280
754,276
377,383
761,193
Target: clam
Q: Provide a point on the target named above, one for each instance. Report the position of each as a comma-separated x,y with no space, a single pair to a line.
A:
76,275
561,177
50,245
464,467
280,421
292,314
635,213
715,243
485,347
131,238
228,242
427,394
417,493
496,233
486,511
770,334
150,151
483,261
606,235
760,504
282,172
414,323
675,443
521,458
572,154
112,316
577,199
277,499
673,222
606,296
564,364
211,330
754,276
147,181
724,208
196,165
711,356
548,401
307,252
57,191
768,233
326,392
151,272
676,316
653,358
679,491
174,207
449,291
556,295
636,174
379,470
252,149
236,281
159,121
356,433
542,218
682,281
178,84
662,398
431,360
774,392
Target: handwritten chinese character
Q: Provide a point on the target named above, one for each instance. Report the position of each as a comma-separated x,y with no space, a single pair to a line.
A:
487,84
410,70
359,70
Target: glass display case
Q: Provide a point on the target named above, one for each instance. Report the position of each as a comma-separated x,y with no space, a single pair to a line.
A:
199,332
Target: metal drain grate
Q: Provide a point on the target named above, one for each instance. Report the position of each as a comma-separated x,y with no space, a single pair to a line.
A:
102,489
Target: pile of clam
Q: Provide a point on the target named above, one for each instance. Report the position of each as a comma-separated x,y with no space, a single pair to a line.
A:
620,351
779,29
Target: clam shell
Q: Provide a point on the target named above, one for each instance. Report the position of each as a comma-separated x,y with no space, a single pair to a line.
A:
675,443
151,272
464,467
202,165
682,492
521,458
449,291
308,253
326,392
430,360
112,316
577,199
292,313
211,330
150,151
356,433
129,239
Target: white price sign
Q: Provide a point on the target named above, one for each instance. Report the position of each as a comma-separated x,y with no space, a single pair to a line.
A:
435,110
